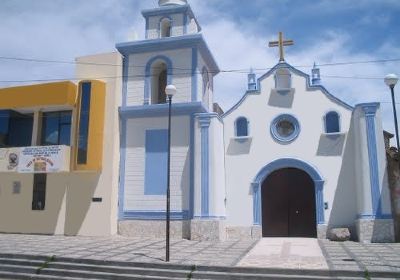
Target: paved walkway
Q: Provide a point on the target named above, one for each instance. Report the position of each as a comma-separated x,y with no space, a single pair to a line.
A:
300,253
293,253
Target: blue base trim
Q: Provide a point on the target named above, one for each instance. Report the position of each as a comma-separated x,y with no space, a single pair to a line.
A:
157,110
210,217
155,215
374,217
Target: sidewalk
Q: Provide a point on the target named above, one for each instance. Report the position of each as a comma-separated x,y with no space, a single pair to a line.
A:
296,253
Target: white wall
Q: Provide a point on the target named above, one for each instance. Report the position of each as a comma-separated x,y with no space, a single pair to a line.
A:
135,164
245,159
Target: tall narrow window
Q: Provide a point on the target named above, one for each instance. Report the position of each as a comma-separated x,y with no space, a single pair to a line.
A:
242,127
159,78
56,128
84,123
332,122
165,26
39,191
282,79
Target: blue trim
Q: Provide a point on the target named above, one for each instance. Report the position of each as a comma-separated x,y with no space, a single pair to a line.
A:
156,161
121,189
125,78
210,218
172,43
147,29
194,74
296,71
157,110
147,84
204,122
192,160
373,217
370,113
155,215
185,24
172,9
285,139
251,81
288,163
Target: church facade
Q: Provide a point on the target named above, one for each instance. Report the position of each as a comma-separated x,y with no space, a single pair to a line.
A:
288,160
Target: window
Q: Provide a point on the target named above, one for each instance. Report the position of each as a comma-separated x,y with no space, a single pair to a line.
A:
159,76
84,122
242,128
282,79
39,192
332,122
165,28
285,128
15,129
56,128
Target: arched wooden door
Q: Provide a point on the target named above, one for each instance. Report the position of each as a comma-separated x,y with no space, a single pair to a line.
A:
288,204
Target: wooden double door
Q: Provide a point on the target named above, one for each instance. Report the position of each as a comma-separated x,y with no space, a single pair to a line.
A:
288,204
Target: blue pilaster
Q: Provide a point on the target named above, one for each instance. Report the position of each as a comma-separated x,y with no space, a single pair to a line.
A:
204,123
370,113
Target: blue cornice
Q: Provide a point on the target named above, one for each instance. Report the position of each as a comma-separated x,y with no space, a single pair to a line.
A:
171,43
143,111
173,9
309,87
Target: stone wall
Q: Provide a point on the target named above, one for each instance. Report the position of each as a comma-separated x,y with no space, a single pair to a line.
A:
394,184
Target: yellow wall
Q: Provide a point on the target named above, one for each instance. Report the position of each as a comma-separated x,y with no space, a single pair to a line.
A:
52,94
96,127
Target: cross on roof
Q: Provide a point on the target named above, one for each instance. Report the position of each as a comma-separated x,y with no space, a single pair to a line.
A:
281,43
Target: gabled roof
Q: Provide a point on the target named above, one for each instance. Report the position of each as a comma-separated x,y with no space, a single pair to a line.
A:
309,87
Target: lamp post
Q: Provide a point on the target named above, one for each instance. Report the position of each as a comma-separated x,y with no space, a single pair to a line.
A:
170,90
391,81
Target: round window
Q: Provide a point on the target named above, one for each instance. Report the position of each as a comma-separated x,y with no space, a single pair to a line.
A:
285,128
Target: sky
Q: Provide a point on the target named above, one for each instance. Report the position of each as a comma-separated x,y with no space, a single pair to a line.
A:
237,32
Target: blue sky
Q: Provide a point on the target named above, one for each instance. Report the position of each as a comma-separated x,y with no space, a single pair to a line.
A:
237,31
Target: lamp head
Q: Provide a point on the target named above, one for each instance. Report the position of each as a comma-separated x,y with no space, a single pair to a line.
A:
391,80
170,91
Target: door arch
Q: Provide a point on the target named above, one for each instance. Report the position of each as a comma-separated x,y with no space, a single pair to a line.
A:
288,163
288,204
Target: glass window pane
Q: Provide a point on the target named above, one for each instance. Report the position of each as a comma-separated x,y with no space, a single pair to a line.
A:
65,135
4,122
332,122
84,123
20,130
50,123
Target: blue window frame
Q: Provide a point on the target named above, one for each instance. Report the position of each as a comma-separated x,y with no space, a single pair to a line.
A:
242,127
84,114
15,129
155,182
56,128
332,122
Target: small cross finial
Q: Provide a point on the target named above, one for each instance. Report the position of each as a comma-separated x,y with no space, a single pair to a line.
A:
281,43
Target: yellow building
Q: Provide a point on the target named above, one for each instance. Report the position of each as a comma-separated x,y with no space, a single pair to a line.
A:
58,165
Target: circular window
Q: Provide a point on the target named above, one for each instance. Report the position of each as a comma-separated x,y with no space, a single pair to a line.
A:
285,128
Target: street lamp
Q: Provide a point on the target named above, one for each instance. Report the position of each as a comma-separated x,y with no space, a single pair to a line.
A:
391,81
170,90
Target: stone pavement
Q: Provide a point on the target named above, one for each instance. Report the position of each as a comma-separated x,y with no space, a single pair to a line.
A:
118,248
296,253
292,253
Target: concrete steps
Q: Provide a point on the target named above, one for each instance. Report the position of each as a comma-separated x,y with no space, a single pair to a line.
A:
39,267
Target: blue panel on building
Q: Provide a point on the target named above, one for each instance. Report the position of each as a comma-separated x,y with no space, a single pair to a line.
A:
155,182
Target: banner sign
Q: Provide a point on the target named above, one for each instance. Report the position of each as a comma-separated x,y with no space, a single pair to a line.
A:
45,159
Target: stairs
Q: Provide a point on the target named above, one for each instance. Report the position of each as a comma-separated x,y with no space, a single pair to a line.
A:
49,268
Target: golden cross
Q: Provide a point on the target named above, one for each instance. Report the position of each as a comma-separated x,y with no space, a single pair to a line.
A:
281,43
